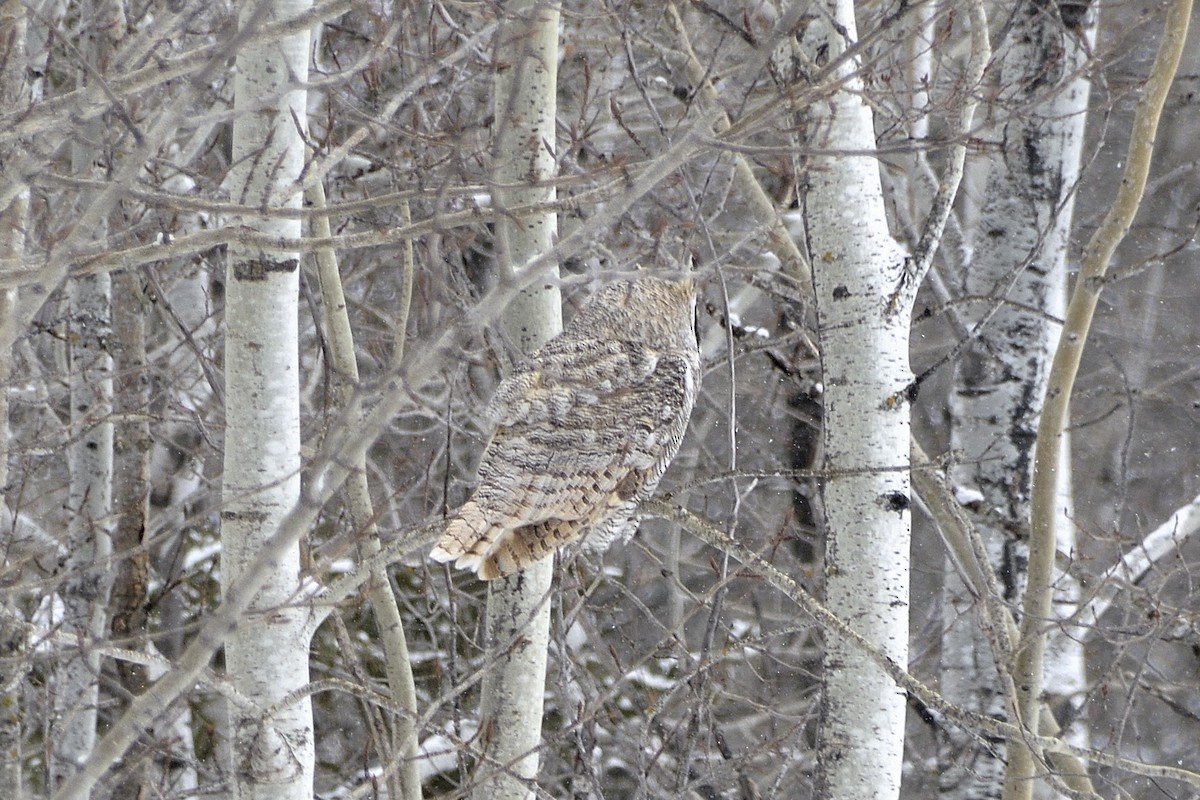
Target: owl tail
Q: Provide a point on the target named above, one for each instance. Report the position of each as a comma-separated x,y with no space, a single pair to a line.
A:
467,539
491,551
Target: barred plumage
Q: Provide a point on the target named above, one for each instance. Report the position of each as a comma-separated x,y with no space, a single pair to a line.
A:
585,429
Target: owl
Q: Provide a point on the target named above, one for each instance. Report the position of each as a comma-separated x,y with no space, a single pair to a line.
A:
584,429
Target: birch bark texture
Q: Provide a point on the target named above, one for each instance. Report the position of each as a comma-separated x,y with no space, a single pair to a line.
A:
857,269
90,457
1019,263
517,617
266,656
1037,603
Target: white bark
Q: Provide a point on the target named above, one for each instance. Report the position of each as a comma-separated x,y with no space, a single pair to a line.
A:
266,657
90,458
857,269
85,591
1020,257
1046,512
518,607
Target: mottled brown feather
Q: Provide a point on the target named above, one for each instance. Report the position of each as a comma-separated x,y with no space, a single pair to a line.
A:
585,429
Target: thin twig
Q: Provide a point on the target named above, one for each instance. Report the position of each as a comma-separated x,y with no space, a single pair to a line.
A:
362,511
834,626
1047,451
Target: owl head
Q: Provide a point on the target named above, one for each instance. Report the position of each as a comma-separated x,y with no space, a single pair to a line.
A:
654,310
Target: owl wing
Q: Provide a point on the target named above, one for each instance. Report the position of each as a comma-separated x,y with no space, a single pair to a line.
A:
582,436
565,374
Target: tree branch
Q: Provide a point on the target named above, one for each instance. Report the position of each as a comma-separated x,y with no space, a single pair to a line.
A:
1080,311
717,538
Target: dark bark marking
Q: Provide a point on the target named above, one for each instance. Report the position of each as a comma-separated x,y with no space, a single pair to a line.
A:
257,269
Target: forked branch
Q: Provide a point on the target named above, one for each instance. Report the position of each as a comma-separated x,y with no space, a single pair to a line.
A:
1018,784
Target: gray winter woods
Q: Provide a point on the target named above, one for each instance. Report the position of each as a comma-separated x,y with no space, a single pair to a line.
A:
930,529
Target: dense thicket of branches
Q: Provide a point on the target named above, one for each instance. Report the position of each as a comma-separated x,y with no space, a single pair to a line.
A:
681,137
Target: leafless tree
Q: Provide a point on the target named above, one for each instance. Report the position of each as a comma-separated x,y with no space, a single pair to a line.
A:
351,203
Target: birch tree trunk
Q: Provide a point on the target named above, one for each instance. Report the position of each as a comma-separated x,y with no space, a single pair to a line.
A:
1029,670
13,222
518,607
266,657
857,269
85,591
1020,261
90,456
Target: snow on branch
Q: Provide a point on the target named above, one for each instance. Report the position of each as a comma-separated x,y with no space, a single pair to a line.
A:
1133,566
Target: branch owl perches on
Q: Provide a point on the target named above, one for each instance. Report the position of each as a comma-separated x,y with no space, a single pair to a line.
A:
585,428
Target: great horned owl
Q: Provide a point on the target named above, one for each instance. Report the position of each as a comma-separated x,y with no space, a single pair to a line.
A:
585,428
